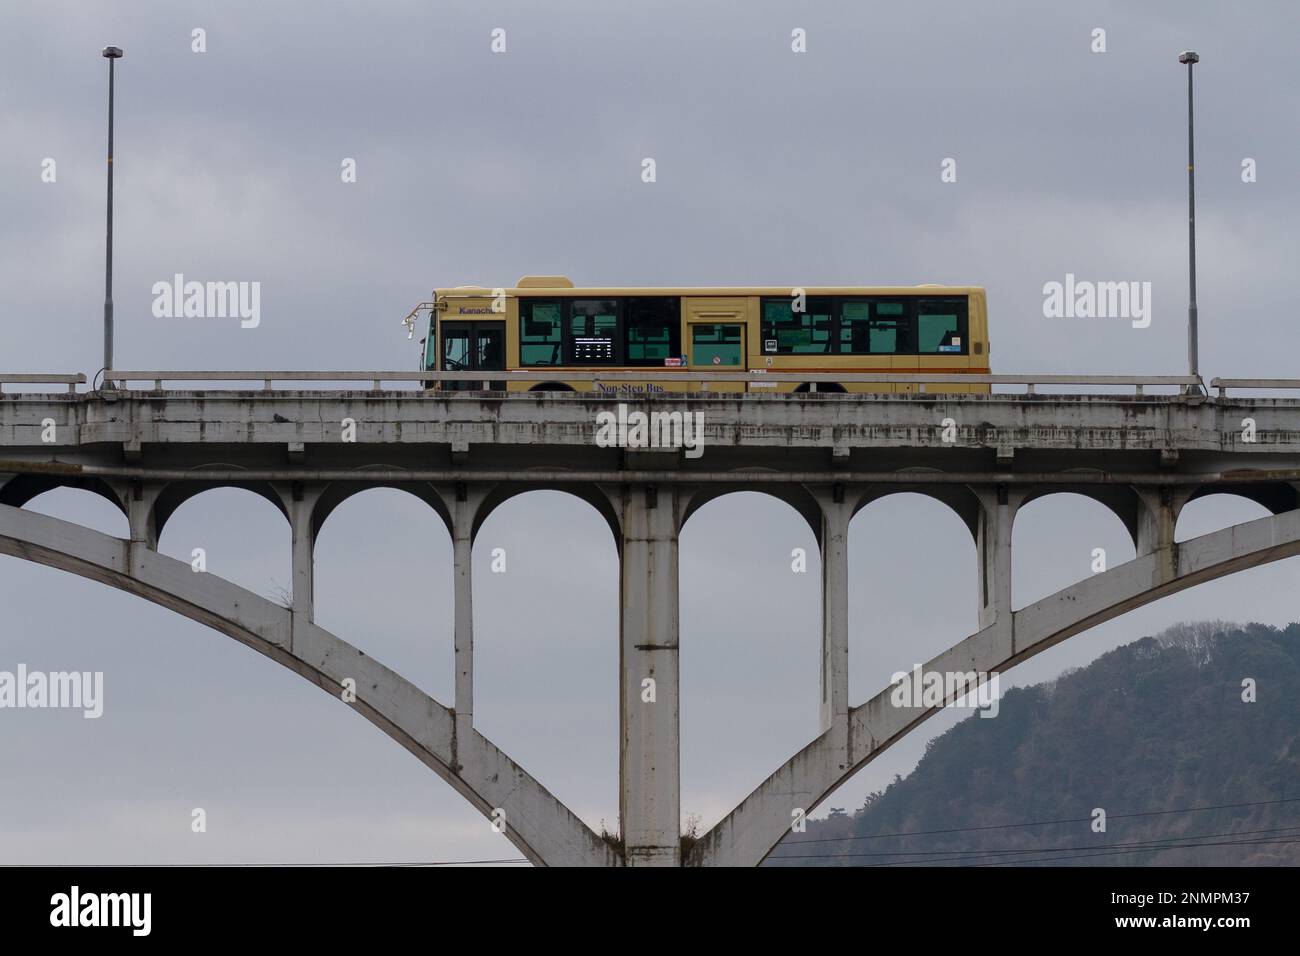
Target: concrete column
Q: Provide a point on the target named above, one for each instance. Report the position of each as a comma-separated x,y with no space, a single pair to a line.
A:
993,549
140,497
300,506
649,726
1157,517
463,590
836,515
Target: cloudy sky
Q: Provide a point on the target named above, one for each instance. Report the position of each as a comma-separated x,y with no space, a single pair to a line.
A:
478,167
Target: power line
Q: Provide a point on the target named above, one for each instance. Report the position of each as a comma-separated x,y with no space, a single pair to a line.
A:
1270,841
959,854
1035,823
1276,841
1140,846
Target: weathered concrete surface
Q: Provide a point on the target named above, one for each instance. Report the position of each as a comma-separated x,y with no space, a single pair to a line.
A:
174,422
650,721
827,456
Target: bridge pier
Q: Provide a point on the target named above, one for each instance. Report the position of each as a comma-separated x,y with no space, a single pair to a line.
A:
464,507
1157,516
997,514
836,515
649,725
140,497
301,508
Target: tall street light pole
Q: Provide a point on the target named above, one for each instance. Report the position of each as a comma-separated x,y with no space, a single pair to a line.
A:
1191,59
111,53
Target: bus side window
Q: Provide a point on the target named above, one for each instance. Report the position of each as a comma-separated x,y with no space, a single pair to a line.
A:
799,333
855,328
652,330
593,325
890,329
540,333
941,327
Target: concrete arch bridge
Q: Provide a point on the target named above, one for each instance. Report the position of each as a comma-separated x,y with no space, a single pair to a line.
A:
1142,456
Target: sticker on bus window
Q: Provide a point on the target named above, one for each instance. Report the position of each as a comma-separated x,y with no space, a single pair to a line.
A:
949,348
769,345
674,361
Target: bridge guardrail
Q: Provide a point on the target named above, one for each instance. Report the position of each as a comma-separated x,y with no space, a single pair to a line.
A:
42,378
1223,384
920,379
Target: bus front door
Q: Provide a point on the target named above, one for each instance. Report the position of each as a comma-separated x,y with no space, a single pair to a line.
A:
473,347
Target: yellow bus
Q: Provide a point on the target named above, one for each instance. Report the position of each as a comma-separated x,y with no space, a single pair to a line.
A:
544,323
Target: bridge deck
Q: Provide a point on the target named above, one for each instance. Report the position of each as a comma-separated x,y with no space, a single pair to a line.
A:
1142,438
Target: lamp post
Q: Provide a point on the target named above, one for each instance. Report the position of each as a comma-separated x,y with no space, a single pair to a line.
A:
111,53
1191,59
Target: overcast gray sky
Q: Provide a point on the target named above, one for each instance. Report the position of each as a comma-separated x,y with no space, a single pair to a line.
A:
473,167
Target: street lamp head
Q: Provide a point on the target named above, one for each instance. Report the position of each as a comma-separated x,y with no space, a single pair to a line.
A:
112,52
1187,56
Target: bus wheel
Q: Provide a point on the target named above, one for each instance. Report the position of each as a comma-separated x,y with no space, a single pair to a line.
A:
551,387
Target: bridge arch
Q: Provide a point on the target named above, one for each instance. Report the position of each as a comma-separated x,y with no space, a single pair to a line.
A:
545,831
98,509
901,540
21,489
730,550
961,500
1211,510
335,493
546,603
1122,501
753,829
801,499
595,495
382,572
170,496
1274,496
1068,533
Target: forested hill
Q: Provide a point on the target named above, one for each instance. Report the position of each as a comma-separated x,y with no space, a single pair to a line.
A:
1157,725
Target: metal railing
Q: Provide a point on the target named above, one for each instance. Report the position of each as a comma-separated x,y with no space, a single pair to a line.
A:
41,378
1223,384
654,376
921,380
